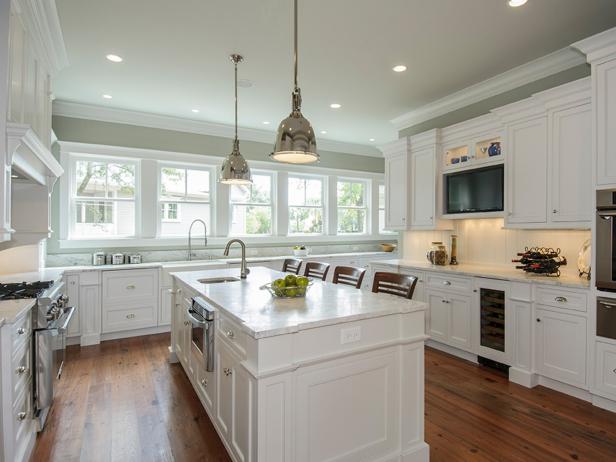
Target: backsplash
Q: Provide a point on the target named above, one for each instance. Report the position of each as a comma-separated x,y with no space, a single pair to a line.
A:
486,242
72,259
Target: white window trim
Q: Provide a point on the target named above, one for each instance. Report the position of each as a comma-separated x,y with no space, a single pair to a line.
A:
211,169
368,207
165,208
148,160
322,207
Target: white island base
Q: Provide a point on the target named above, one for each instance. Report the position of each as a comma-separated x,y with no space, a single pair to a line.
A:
338,376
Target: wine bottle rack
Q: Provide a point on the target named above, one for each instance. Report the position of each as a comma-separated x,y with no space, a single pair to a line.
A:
492,308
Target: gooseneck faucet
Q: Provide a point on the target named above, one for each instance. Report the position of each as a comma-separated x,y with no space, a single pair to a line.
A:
198,220
244,269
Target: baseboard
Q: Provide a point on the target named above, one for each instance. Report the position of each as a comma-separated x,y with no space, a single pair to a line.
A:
135,333
565,388
452,351
419,453
604,403
90,339
521,377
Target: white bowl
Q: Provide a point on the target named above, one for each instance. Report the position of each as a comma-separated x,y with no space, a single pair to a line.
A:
300,252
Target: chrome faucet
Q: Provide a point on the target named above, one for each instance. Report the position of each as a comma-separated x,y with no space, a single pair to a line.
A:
244,269
190,236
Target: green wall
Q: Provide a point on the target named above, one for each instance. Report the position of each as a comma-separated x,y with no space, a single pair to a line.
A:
133,136
483,107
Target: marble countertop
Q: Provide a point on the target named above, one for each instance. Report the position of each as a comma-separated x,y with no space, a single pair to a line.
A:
44,274
262,315
11,310
567,279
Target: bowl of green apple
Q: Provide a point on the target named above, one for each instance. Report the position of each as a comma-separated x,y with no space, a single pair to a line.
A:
290,286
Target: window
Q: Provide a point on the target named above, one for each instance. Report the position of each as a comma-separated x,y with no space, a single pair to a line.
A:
184,196
352,210
305,205
103,198
382,229
251,206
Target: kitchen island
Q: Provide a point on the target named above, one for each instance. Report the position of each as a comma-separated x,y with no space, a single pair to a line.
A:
338,375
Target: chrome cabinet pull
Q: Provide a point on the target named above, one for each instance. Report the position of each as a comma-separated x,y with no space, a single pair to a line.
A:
20,370
230,334
227,371
131,286
172,292
446,283
554,211
186,323
21,331
21,416
561,299
130,316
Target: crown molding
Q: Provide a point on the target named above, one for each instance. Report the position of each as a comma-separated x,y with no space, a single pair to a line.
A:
40,19
545,66
164,122
598,47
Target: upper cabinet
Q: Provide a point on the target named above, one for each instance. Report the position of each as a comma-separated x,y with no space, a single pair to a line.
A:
412,183
600,51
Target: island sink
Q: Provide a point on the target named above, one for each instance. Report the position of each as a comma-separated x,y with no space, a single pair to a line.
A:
218,280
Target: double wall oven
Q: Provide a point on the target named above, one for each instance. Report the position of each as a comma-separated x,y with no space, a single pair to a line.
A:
605,273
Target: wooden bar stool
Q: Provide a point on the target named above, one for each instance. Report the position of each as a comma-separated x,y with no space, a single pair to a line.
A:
402,285
349,275
291,265
315,269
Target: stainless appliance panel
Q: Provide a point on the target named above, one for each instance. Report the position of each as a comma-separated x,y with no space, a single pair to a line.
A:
606,317
201,315
606,240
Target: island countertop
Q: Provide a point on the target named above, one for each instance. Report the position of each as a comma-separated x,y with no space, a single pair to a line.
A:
262,315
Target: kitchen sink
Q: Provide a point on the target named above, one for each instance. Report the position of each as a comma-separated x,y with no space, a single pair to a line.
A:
218,280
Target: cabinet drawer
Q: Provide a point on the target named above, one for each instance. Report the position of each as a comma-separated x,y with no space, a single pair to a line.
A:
21,370
21,332
445,282
232,333
560,298
136,317
605,369
123,286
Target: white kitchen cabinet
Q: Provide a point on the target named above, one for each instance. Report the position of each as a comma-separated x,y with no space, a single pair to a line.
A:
166,306
397,191
90,307
560,340
605,103
206,386
605,370
526,165
438,317
72,291
570,166
423,191
451,319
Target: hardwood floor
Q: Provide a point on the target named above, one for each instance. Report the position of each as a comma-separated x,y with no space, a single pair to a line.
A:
122,401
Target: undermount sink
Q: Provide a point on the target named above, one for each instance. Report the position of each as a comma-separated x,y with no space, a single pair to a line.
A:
218,280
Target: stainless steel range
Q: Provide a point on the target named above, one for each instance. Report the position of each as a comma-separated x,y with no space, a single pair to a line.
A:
50,318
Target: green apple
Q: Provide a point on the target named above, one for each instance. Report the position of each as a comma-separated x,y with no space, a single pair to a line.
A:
302,281
290,280
291,292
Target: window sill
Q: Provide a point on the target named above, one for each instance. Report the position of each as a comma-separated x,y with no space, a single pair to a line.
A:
214,242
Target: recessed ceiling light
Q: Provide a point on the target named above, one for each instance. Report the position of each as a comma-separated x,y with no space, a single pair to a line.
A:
115,58
399,68
335,106
323,132
266,122
195,110
371,139
107,96
515,3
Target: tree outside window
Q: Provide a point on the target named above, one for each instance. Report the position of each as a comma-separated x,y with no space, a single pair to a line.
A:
305,196
352,209
251,207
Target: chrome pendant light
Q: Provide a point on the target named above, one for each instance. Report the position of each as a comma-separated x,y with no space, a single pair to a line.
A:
295,141
235,169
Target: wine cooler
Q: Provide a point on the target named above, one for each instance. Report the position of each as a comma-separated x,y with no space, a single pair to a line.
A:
493,336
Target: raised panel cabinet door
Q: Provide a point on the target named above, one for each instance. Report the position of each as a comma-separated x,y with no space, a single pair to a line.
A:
166,305
561,346
439,316
178,325
461,322
571,169
606,121
396,192
224,391
72,291
605,369
243,413
206,386
527,172
90,310
424,188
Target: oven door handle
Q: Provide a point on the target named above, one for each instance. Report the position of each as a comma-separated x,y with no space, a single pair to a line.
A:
606,214
65,319
191,315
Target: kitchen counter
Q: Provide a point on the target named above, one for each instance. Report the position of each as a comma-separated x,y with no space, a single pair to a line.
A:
264,316
11,310
495,272
44,274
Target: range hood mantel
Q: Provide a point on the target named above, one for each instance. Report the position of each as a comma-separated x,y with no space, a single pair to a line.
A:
29,157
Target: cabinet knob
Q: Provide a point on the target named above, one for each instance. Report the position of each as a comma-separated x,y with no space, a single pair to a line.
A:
227,371
21,416
130,286
475,290
554,211
446,283
21,331
20,370
561,299
538,320
186,323
204,382
230,334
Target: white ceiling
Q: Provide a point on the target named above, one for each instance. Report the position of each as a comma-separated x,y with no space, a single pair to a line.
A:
176,55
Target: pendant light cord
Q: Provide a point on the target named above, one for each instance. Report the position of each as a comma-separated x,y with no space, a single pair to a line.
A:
297,97
235,62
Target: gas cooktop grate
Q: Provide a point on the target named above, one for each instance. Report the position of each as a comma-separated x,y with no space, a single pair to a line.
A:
18,290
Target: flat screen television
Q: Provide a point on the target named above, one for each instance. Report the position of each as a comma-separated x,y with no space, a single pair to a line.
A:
475,191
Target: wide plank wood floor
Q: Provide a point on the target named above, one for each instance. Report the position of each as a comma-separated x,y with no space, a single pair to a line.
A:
122,401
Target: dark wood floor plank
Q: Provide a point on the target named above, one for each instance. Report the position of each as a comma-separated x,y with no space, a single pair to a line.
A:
122,401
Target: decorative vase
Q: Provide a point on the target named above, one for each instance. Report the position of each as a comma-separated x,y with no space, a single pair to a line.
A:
454,250
437,254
